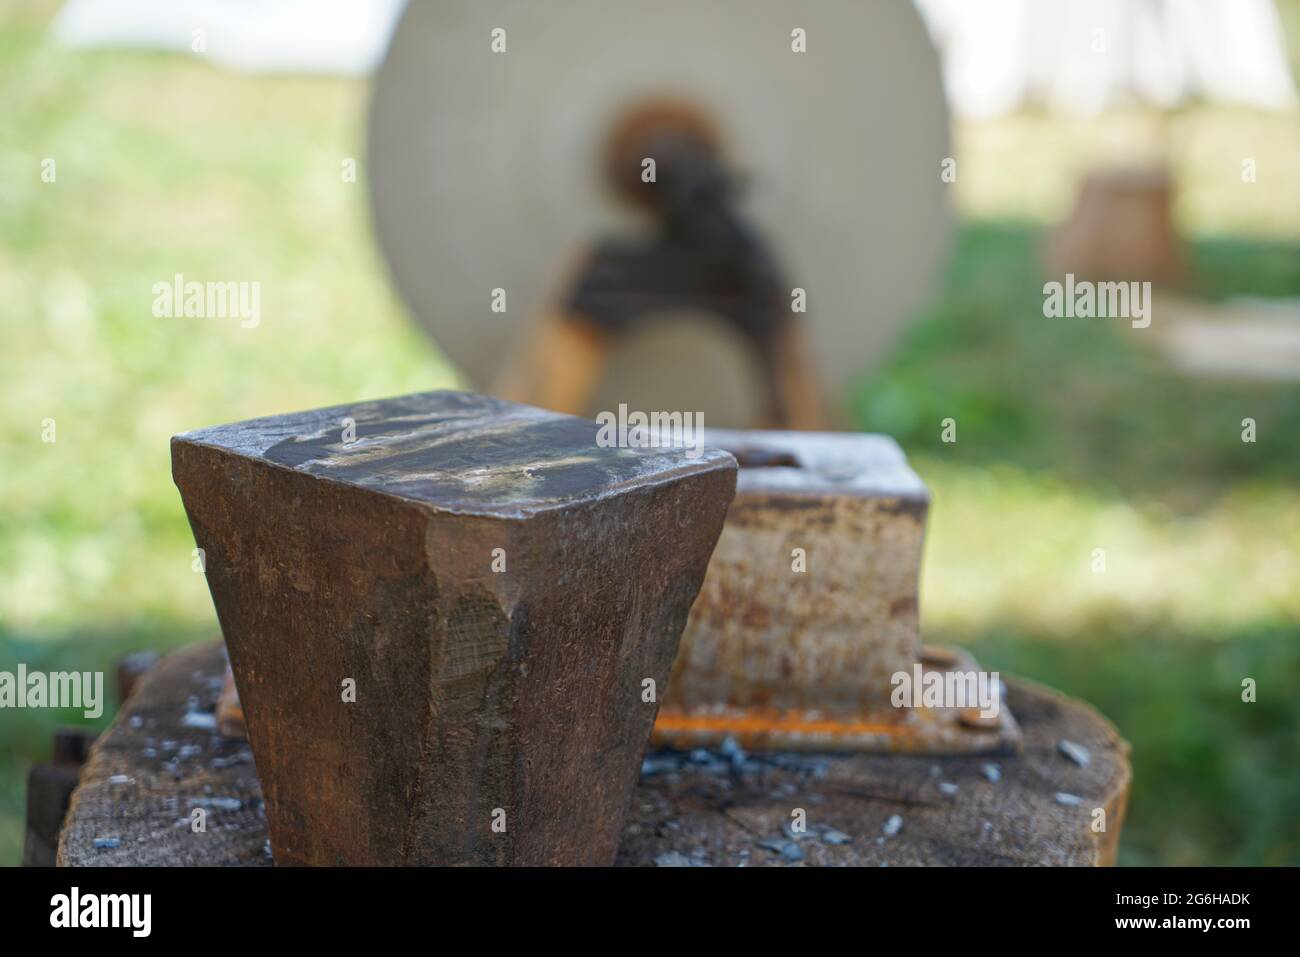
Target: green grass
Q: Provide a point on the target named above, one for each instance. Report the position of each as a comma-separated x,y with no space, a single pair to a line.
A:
1215,779
1071,437
164,165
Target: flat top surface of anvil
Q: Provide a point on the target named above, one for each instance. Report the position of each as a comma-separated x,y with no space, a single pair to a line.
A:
457,452
818,463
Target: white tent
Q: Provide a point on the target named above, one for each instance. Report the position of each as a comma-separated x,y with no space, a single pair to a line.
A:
347,37
1086,55
1080,55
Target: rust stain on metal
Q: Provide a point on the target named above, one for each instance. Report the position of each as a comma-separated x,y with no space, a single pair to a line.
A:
767,721
871,727
912,508
906,605
230,713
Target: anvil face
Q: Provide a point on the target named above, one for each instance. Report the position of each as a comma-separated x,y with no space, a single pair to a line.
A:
454,452
442,613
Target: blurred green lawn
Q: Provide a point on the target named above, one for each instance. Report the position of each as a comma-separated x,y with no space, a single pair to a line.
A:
1070,437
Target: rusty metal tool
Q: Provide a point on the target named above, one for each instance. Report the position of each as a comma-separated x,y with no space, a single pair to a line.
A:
809,609
442,612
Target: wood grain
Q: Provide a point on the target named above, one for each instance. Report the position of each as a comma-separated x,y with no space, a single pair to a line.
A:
150,769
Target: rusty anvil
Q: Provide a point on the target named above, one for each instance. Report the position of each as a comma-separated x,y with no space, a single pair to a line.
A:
809,610
442,612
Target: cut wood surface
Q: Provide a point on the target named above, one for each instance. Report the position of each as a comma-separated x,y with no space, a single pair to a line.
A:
163,758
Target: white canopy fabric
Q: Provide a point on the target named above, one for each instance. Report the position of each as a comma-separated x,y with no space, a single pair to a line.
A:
1079,55
1086,55
345,37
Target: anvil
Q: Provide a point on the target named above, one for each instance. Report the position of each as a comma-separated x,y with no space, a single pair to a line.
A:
442,612
809,613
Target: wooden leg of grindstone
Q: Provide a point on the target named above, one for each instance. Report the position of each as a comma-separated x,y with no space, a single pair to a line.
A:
445,614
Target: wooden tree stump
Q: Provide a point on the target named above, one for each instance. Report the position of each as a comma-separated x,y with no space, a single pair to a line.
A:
163,758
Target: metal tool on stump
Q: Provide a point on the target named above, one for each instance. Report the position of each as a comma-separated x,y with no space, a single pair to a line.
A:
810,609
443,612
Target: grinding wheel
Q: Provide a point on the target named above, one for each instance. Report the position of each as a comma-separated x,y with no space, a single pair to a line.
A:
485,170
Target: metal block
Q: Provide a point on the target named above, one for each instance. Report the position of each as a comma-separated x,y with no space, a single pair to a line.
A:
441,612
810,607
